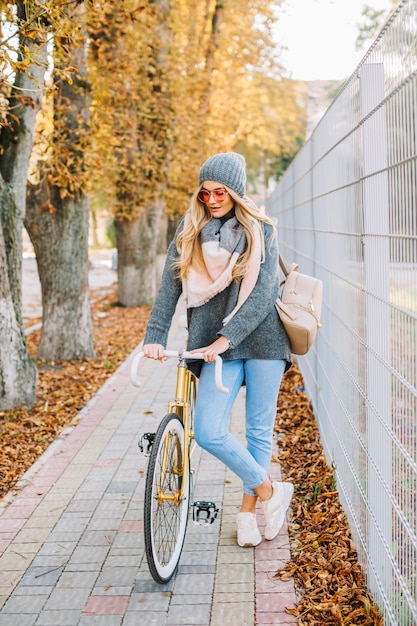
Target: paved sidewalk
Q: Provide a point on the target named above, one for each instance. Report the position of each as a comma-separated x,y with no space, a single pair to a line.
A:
71,541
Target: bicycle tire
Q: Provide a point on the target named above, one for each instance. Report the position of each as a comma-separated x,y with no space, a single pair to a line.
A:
165,521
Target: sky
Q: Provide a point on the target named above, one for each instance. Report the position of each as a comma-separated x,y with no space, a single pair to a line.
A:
320,36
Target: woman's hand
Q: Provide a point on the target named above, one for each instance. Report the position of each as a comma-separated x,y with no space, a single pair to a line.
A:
214,349
154,351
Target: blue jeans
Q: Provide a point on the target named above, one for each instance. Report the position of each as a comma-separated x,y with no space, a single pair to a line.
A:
212,416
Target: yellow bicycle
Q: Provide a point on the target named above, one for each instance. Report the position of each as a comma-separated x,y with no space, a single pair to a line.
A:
168,486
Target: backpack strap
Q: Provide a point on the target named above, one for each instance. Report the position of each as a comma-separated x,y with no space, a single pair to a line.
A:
286,271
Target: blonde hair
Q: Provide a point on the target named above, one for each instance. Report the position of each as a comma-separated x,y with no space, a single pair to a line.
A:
189,242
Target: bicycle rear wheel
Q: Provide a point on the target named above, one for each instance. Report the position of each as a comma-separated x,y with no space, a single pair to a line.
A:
166,513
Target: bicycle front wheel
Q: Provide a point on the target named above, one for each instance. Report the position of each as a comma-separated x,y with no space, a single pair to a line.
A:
166,510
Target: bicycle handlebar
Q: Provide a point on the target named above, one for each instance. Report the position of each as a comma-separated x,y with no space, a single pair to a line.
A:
180,354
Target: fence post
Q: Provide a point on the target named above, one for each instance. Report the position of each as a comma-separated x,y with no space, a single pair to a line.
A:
378,333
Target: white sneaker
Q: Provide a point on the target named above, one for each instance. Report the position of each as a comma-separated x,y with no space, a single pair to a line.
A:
276,508
248,534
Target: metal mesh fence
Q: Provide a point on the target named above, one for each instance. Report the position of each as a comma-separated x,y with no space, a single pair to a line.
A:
347,213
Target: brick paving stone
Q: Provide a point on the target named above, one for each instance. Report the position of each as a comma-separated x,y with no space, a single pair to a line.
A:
235,587
14,525
269,565
148,618
26,604
231,594
60,617
236,556
107,463
27,590
97,538
193,585
41,576
205,558
188,600
242,572
241,613
104,524
199,615
32,535
67,525
110,605
17,619
128,540
93,567
149,602
269,602
76,580
265,583
83,506
117,576
131,527
122,487
63,598
112,507
6,590
49,561
276,619
109,590
5,539
101,620
61,548
122,560
89,554
14,562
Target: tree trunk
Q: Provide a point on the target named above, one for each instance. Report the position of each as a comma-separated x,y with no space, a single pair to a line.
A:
18,375
57,217
60,240
137,245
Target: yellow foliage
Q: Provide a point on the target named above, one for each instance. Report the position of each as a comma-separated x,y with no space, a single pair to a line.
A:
171,84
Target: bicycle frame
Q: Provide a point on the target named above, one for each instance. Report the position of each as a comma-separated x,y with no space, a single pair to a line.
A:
185,394
186,387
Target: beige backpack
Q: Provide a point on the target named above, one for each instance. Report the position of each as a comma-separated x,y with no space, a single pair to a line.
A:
299,307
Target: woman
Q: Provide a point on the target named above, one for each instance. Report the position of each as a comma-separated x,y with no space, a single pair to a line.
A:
224,260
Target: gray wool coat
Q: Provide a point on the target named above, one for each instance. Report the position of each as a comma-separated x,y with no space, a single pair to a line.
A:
255,330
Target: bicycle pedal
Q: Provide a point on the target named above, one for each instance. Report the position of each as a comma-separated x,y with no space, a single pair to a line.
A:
204,513
150,438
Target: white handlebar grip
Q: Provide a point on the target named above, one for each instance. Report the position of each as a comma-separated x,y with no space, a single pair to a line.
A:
134,369
218,375
217,369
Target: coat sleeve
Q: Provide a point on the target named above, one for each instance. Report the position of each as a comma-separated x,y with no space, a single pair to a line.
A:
166,300
262,299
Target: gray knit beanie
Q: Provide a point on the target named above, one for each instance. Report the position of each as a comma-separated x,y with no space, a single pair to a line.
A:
228,168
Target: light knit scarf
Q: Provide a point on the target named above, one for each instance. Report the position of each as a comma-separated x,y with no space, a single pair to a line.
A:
221,245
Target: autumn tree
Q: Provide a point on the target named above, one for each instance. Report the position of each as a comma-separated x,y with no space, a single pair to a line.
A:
229,91
272,130
371,22
171,84
195,31
57,217
131,115
23,64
